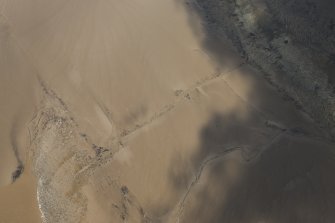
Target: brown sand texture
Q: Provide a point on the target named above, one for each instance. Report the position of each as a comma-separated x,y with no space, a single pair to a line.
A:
119,112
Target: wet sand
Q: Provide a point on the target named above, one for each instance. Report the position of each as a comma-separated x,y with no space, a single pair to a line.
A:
17,93
130,112
18,201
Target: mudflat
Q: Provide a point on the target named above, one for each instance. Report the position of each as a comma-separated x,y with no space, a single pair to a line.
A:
19,201
158,111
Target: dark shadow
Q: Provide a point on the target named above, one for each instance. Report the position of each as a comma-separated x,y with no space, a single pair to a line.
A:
290,41
309,22
291,182
242,174
250,170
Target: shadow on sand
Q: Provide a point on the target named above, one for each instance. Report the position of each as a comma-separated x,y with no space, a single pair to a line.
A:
249,170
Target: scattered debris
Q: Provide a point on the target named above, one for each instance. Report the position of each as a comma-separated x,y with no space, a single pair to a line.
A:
17,173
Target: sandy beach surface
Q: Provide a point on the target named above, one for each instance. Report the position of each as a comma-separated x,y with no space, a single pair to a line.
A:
19,201
129,111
